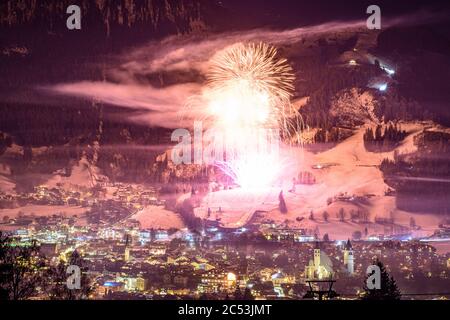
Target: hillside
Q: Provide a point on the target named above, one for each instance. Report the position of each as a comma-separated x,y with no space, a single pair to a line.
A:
349,175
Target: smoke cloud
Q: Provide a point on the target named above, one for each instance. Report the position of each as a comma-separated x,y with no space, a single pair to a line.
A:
182,62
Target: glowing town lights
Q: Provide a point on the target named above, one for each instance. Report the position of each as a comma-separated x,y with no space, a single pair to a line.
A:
231,277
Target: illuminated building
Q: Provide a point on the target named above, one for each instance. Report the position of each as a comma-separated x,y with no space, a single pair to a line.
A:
348,257
317,256
280,278
202,266
132,283
111,286
213,282
127,254
161,235
145,236
127,249
157,249
320,267
180,280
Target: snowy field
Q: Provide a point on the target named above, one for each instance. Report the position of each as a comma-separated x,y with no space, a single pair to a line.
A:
42,210
157,217
348,169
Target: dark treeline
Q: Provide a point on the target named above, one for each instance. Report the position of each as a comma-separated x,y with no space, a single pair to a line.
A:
25,272
424,174
383,138
423,75
330,80
333,135
186,212
124,151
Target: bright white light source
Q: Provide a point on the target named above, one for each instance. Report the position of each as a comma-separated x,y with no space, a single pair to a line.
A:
389,71
231,277
382,87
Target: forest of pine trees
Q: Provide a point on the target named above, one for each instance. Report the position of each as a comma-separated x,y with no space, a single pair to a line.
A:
424,172
187,214
24,269
305,177
384,138
331,135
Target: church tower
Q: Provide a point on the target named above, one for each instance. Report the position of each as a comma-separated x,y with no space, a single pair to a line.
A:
350,264
348,257
317,256
127,248
347,246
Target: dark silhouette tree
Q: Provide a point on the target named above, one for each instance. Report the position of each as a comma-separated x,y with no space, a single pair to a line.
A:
388,287
282,203
20,269
412,222
341,214
357,235
237,294
57,276
248,294
325,215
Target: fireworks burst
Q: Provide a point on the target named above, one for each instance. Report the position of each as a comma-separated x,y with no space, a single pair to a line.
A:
249,89
256,64
249,85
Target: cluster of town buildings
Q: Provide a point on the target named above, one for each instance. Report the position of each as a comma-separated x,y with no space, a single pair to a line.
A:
128,263
124,261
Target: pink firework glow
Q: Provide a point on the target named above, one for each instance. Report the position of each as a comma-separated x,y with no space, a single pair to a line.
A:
248,91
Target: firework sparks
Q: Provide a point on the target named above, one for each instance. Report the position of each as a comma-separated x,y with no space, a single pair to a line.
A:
248,90
250,86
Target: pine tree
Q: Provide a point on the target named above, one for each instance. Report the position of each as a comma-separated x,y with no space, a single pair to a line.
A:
237,294
378,134
57,276
388,290
248,294
282,203
412,222
20,269
341,214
